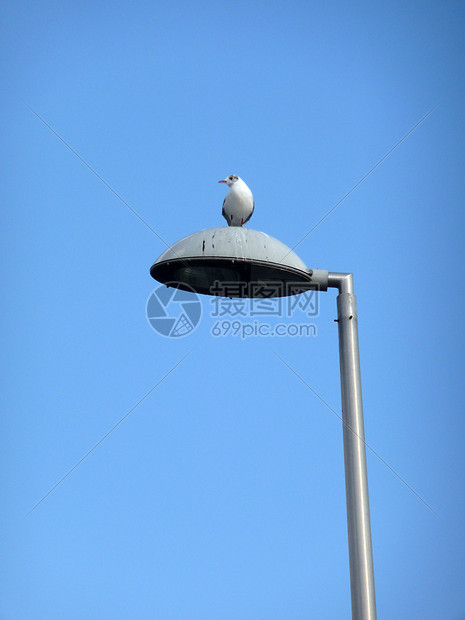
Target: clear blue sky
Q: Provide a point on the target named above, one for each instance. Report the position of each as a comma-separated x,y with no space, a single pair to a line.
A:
222,494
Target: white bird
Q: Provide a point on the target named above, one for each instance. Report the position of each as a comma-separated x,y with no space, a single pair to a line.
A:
239,204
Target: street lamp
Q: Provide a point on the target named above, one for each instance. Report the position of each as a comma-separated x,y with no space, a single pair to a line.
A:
235,255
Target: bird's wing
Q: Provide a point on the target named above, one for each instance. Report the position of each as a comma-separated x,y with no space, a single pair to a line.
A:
223,212
251,213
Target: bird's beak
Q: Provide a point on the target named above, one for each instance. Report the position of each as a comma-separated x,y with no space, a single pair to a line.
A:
223,181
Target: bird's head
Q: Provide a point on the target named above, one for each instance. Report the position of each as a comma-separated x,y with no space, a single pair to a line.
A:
230,180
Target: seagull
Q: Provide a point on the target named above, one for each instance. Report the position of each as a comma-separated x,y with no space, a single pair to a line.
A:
239,204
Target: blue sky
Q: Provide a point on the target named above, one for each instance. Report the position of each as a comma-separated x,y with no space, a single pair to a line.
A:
221,495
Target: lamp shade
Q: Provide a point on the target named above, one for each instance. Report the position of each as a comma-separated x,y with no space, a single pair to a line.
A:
235,262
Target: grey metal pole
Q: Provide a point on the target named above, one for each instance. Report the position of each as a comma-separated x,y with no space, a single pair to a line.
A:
362,581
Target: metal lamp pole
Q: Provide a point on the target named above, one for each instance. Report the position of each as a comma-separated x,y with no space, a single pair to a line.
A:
362,580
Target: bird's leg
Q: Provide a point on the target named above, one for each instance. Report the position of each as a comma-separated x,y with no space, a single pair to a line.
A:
242,221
